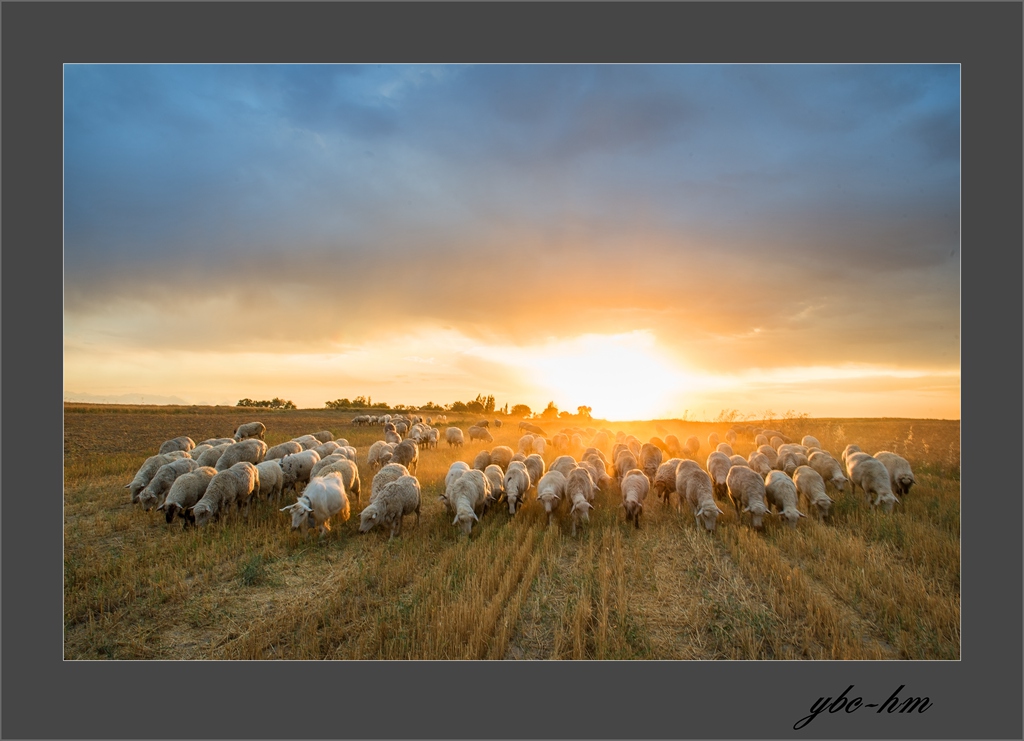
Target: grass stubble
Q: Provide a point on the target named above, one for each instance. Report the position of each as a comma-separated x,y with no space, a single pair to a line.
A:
864,585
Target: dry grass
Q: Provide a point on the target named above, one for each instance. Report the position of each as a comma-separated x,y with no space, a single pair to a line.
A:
863,586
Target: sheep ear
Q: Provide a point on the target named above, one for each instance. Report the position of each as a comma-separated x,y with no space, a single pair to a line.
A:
456,520
801,513
719,510
161,507
475,517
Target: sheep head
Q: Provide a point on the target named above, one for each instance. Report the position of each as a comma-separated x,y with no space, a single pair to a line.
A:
302,515
707,515
202,514
791,516
369,518
757,512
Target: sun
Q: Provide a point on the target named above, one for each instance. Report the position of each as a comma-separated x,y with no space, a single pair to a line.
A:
621,376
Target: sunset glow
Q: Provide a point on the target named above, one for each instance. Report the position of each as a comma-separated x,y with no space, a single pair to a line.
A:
650,241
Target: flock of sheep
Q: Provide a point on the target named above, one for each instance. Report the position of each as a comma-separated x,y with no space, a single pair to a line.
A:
199,483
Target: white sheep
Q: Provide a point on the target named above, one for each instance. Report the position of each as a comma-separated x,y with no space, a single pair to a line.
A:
230,487
713,440
467,499
738,460
395,500
496,478
326,449
298,467
829,470
154,493
563,464
665,479
526,444
185,492
454,437
718,466
148,469
901,477
760,440
501,456
271,479
211,456
539,444
251,450
780,492
692,446
811,487
579,491
699,495
649,459
551,492
349,474
535,466
388,473
809,441
759,462
215,441
730,437
324,436
281,450
725,448
624,462
482,460
516,483
871,475
480,433
248,430
634,488
320,501
746,490
178,443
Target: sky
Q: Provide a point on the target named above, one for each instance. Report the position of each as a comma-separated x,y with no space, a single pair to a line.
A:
651,241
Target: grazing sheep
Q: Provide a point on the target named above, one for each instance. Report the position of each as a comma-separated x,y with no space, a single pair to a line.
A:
901,477
248,430
551,492
251,450
232,486
211,456
809,441
496,478
853,458
148,469
516,484
215,441
178,443
407,454
624,463
725,448
770,453
598,472
776,442
579,491
829,470
692,446
780,492
698,494
480,433
674,448
497,423
387,474
847,451
392,436
324,436
326,449
760,463
271,479
563,464
501,456
482,460
746,490
539,444
349,474
535,466
738,460
560,441
280,451
482,423
454,437
787,462
713,440
634,488
185,492
871,475
394,501
298,467
730,437
718,466
665,479
156,490
454,472
811,486
320,501
760,440
649,459
467,499
199,450
526,444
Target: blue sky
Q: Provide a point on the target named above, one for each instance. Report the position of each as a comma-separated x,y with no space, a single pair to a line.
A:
755,223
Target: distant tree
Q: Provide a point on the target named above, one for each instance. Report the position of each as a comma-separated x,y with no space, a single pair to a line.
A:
432,407
457,406
565,415
504,409
475,406
584,412
550,411
521,410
